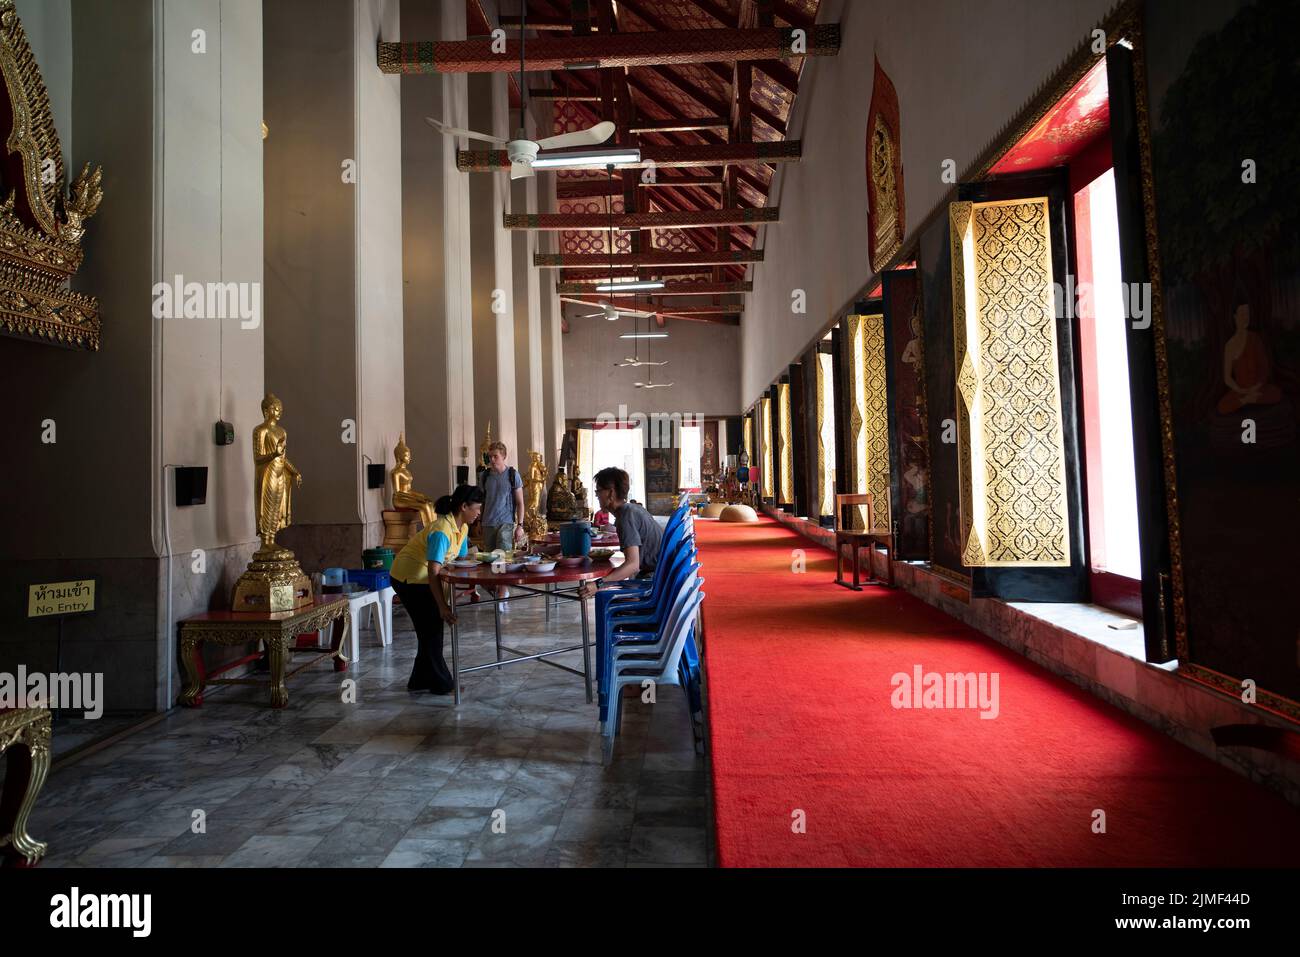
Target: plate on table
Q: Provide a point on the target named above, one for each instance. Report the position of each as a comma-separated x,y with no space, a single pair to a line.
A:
463,563
571,562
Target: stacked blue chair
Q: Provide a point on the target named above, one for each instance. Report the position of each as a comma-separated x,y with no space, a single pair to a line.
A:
643,602
659,660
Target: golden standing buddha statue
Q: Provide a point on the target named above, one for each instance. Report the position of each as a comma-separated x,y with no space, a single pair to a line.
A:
534,523
404,496
273,581
272,474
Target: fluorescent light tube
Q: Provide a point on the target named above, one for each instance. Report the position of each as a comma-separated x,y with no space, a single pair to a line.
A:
637,284
644,335
568,158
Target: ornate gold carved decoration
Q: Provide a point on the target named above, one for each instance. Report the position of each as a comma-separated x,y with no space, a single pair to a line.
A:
876,405
1011,451
869,416
825,435
857,417
765,428
41,225
885,209
783,424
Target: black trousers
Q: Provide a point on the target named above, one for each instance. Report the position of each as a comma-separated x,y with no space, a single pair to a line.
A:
430,672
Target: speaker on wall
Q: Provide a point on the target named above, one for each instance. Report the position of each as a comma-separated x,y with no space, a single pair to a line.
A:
462,474
191,485
375,476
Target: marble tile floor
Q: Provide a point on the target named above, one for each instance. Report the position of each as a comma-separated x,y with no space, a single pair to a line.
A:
513,777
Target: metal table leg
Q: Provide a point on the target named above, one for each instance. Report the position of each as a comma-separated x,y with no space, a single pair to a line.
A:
455,648
586,649
496,615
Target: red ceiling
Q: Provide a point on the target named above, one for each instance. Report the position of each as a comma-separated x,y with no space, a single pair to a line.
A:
1066,130
679,91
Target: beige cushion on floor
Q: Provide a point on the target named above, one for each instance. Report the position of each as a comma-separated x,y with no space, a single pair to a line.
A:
737,513
714,509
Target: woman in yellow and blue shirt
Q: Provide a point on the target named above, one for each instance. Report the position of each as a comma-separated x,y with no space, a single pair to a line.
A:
415,579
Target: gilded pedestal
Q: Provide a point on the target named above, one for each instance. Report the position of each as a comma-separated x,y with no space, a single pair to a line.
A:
399,525
273,582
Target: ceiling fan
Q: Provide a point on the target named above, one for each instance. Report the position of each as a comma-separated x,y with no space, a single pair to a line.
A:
650,382
521,150
607,310
637,363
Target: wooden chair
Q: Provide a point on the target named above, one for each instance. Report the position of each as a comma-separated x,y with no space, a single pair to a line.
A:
870,539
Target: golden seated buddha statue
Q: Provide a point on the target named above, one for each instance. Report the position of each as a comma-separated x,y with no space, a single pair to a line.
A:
404,496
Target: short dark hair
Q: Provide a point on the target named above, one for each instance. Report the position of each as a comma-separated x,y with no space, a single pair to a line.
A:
615,479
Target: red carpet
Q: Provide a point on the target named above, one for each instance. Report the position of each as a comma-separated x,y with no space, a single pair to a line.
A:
800,719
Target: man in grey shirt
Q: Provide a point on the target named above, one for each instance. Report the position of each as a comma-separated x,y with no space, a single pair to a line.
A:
503,506
639,535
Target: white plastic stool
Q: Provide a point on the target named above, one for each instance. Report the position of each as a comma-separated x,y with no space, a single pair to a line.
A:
381,616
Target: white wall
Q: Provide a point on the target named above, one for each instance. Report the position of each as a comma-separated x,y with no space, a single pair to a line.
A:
962,71
211,231
380,377
702,365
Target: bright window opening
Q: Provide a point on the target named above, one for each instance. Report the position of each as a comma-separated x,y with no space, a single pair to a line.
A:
617,448
1108,416
691,450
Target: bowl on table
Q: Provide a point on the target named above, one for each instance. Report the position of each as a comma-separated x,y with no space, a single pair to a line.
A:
546,566
602,554
572,561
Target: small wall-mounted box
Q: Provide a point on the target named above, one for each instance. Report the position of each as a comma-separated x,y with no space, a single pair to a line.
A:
375,476
223,433
191,485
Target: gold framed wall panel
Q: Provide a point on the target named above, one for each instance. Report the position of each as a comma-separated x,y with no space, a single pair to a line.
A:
765,435
876,407
857,391
785,434
825,434
1011,453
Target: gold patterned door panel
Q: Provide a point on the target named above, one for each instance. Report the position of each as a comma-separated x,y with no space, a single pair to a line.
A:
869,416
786,438
1011,453
825,434
765,436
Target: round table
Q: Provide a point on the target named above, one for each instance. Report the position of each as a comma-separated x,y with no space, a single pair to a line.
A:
603,540
530,582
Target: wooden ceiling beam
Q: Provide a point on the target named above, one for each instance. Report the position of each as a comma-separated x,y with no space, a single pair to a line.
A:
670,289
659,257
638,48
681,125
747,154
687,219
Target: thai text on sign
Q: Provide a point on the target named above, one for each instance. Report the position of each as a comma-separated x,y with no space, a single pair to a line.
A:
61,598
